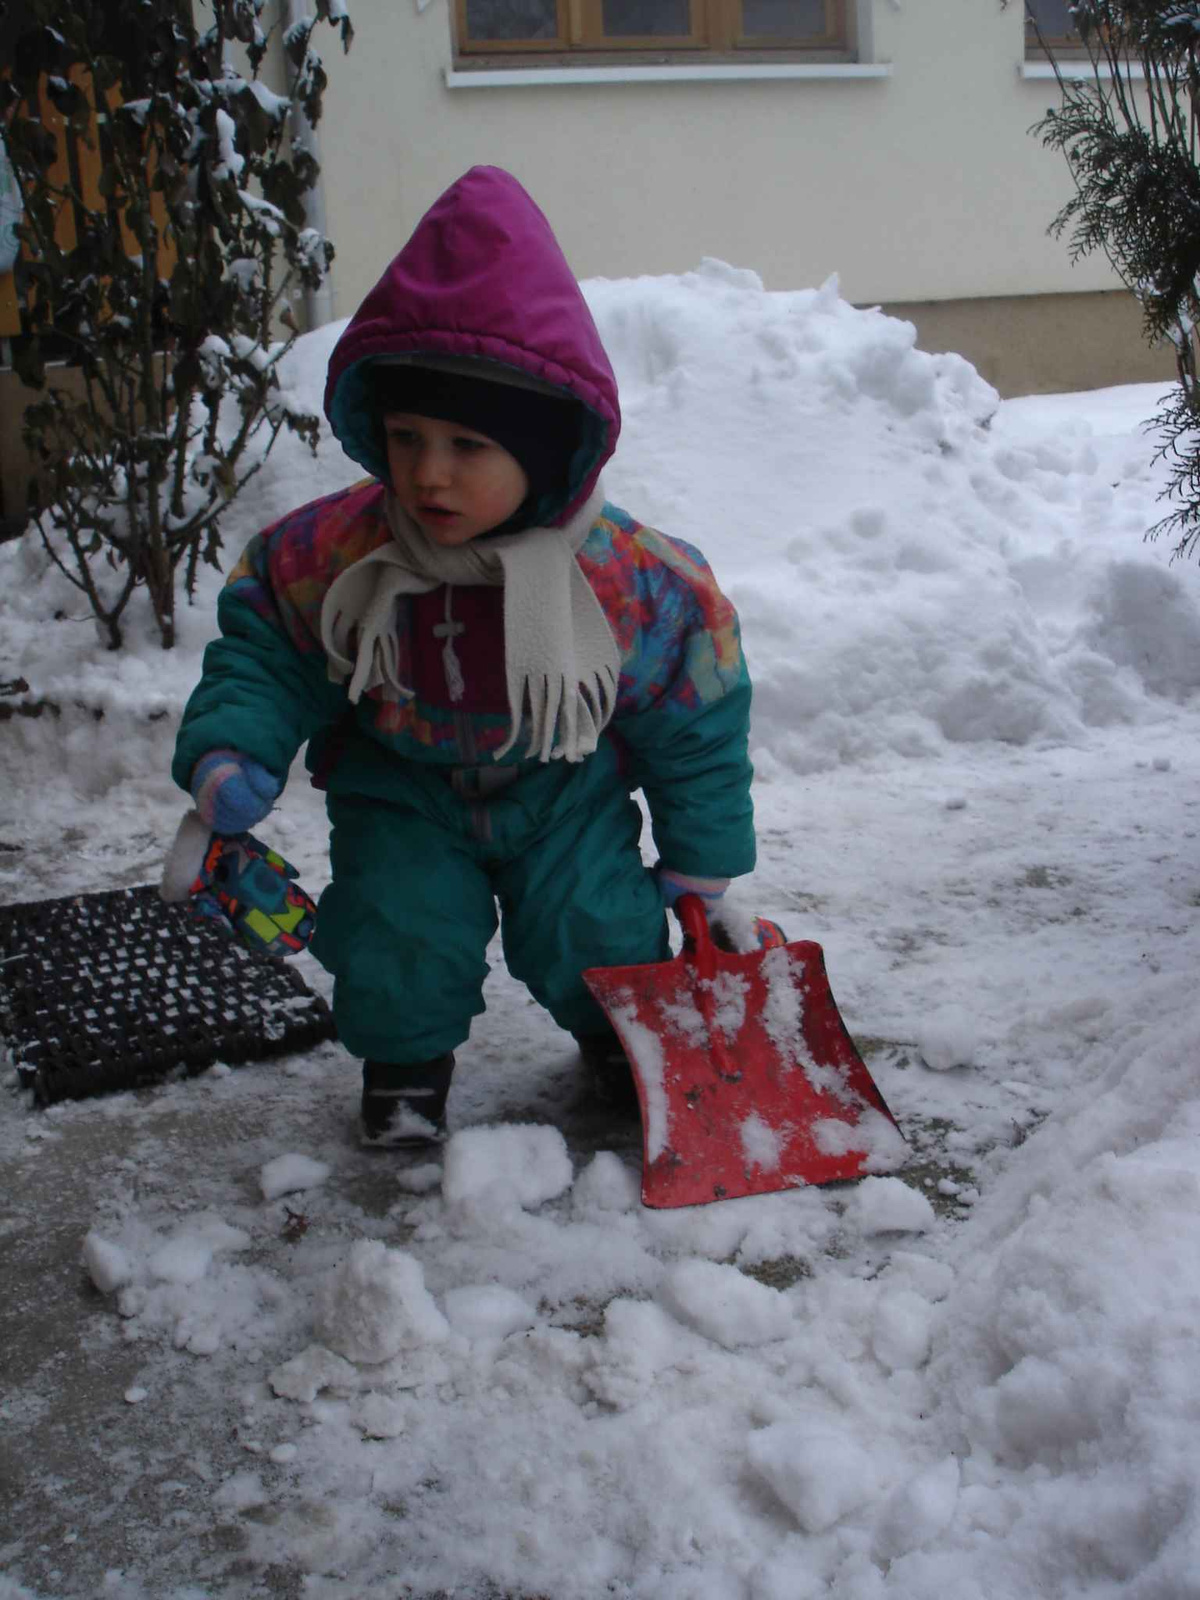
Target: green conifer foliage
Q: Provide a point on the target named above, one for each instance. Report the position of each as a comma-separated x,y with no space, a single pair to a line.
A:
1127,126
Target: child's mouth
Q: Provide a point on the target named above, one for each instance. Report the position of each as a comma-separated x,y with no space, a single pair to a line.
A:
436,513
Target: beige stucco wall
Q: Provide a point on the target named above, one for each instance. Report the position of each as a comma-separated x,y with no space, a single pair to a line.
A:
921,186
1044,344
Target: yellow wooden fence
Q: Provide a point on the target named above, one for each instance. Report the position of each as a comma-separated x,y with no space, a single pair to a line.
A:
79,161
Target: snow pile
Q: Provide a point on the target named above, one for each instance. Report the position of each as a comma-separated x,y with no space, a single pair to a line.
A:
1078,1295
910,570
487,1311
883,537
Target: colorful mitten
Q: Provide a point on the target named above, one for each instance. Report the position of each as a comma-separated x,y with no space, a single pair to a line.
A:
768,935
232,791
242,885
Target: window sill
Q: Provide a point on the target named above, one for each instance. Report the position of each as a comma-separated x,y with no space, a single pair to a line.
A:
1076,71
544,77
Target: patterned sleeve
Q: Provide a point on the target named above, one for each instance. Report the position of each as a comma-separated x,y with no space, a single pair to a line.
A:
683,711
264,689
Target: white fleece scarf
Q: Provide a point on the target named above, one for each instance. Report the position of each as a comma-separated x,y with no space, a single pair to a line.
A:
561,659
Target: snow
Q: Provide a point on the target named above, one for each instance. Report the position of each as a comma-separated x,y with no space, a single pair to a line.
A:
762,1145
314,1369
888,1205
488,1311
229,163
645,1049
375,1303
497,1168
291,1173
725,1305
820,1472
947,1040
107,1264
488,1370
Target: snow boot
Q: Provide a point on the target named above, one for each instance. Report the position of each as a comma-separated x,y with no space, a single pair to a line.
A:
612,1077
404,1106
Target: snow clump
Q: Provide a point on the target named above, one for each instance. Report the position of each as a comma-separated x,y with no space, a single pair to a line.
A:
520,1165
289,1174
888,1205
725,1305
487,1311
819,1471
106,1263
374,1303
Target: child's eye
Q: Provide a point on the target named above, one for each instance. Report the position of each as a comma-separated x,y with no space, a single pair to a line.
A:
469,446
400,435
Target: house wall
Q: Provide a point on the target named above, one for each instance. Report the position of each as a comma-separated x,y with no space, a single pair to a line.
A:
921,186
1044,343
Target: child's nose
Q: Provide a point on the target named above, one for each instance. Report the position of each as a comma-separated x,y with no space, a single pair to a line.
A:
432,466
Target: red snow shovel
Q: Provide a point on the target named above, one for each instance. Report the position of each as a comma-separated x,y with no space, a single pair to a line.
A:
747,1079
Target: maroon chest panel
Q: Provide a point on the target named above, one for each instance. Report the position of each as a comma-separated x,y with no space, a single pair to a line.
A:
478,619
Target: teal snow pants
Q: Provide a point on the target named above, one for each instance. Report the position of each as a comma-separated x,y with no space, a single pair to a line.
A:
422,877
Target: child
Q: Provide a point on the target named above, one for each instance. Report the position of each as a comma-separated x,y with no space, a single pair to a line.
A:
485,659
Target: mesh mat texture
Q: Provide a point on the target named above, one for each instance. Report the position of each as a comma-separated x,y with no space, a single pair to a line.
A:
108,991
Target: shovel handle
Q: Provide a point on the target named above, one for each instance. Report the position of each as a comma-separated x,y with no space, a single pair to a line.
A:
701,951
693,919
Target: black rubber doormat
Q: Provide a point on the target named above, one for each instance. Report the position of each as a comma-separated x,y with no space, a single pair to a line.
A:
113,990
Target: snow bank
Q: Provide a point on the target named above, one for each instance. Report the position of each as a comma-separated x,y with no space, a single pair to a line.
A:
881,530
875,514
1063,1364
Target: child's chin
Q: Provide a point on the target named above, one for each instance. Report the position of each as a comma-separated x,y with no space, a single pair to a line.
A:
448,534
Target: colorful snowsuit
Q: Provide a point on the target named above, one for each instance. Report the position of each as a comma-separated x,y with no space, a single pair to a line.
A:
424,843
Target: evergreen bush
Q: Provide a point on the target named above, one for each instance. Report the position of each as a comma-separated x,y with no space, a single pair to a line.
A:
166,279
1128,130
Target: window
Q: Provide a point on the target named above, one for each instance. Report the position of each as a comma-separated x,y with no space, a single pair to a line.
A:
652,29
1052,20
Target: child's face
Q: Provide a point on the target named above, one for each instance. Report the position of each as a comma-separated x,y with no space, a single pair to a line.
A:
453,482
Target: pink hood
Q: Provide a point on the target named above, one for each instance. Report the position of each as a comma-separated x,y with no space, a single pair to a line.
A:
482,277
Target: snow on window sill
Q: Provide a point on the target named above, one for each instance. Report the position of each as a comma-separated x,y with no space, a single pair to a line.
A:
1075,71
543,77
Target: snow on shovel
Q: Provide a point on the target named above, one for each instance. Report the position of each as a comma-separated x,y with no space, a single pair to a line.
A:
747,1078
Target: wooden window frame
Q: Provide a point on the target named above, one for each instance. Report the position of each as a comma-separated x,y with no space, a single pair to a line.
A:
716,32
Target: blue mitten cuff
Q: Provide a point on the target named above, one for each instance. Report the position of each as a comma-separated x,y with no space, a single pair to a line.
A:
673,884
232,791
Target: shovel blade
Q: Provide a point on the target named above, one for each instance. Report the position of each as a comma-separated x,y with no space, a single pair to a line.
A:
747,1078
